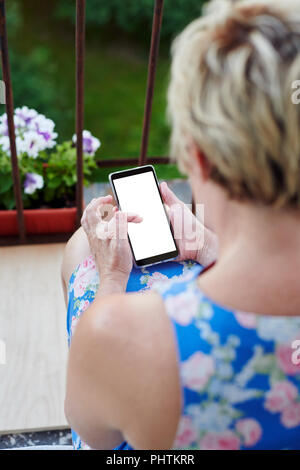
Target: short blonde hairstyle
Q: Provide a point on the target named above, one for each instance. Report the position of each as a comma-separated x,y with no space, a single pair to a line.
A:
231,92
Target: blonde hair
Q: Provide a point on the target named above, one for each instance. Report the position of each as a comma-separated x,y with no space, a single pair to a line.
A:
231,92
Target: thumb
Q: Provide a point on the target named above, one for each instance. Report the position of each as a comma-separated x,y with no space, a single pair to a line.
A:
121,221
133,217
129,216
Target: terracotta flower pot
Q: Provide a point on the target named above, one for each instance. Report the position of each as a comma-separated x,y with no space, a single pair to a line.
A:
39,221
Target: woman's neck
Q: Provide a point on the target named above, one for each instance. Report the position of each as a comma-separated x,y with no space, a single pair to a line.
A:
258,268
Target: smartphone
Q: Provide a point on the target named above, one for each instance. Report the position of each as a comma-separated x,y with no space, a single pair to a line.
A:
152,240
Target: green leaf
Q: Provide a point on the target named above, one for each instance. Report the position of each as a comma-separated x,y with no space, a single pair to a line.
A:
6,182
8,200
55,182
68,179
266,364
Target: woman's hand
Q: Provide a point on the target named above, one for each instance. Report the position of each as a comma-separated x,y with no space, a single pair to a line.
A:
194,240
108,240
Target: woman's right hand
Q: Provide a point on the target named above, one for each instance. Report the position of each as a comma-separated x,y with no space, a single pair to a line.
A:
194,240
108,239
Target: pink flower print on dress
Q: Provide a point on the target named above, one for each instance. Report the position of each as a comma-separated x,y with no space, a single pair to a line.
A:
84,304
251,431
74,324
280,396
284,354
154,278
182,307
197,370
186,434
246,320
226,440
290,417
84,276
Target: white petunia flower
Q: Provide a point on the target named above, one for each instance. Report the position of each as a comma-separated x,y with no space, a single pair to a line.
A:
32,144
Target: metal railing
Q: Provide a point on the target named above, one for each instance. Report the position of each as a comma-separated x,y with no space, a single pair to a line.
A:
10,121
80,54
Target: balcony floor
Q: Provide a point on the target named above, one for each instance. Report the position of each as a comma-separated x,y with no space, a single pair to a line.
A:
32,324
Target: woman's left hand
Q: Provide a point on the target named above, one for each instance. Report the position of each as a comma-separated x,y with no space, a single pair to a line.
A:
108,240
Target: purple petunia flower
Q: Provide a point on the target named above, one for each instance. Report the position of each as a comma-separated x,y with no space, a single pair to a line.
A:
90,143
33,182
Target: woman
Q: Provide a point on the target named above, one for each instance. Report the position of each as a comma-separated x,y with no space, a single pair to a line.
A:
206,359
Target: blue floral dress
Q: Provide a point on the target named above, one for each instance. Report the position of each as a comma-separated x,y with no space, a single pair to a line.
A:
240,372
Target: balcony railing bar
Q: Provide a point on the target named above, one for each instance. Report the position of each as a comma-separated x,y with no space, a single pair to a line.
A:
10,122
80,54
154,49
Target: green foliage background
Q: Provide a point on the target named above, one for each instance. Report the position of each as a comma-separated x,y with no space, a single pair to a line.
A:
42,55
134,16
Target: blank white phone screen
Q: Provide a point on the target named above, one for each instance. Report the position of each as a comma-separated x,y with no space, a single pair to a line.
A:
139,194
